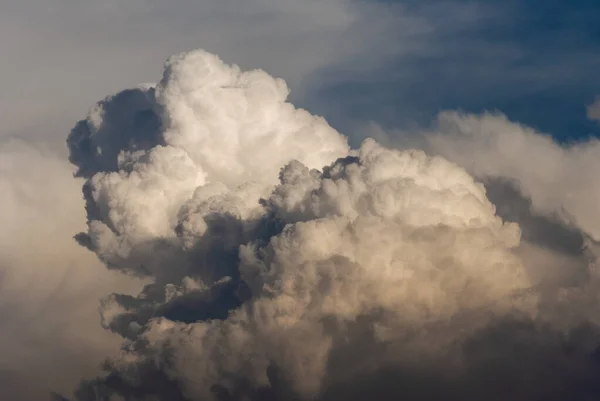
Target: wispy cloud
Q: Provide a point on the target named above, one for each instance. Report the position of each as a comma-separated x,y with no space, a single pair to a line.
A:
593,110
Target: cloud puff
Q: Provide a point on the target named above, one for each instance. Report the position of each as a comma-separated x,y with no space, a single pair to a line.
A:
559,180
221,127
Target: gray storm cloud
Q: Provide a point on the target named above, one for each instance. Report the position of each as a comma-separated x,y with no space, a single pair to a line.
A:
284,265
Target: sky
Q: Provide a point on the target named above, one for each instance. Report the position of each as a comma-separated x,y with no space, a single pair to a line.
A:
536,62
396,63
509,91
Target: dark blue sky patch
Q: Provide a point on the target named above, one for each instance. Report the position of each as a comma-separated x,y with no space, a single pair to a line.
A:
537,62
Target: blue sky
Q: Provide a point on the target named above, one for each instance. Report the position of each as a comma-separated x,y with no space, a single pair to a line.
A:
536,61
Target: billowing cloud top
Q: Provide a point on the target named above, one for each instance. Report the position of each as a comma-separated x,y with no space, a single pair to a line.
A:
286,266
206,124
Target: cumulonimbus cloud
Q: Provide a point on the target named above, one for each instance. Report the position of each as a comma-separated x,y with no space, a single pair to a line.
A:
286,266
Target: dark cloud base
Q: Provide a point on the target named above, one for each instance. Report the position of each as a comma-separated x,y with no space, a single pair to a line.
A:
512,359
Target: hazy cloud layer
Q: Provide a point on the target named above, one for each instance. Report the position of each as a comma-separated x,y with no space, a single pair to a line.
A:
49,287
